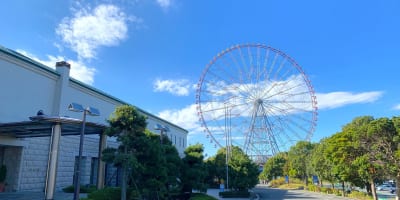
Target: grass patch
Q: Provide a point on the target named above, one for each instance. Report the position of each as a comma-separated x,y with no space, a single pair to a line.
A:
292,186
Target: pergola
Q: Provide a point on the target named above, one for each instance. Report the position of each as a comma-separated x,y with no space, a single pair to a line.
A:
55,127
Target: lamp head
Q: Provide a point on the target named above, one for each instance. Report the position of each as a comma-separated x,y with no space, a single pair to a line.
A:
76,107
93,111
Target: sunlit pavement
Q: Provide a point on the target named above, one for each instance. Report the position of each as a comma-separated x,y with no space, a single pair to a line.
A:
279,194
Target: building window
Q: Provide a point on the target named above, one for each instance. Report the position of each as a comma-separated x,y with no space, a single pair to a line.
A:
175,139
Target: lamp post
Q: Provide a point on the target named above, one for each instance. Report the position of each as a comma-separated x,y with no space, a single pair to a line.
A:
162,129
86,111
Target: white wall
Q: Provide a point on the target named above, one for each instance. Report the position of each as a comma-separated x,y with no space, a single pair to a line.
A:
24,90
27,88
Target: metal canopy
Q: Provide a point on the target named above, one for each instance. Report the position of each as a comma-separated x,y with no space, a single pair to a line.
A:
41,126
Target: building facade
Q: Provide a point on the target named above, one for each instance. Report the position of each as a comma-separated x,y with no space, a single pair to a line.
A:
34,100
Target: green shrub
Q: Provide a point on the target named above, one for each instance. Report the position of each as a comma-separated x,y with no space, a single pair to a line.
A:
359,195
234,194
111,193
337,192
3,173
312,188
82,189
277,182
201,196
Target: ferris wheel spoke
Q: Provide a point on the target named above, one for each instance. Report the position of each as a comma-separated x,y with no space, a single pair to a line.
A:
256,97
277,72
297,125
292,122
229,83
272,67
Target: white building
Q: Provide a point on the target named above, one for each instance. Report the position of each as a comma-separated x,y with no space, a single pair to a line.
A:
40,149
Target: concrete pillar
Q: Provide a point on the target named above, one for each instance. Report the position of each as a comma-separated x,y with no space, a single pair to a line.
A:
101,171
52,164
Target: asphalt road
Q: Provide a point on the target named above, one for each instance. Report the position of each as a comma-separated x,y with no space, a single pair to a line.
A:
266,193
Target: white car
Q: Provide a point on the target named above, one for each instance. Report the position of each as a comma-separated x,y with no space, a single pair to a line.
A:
386,187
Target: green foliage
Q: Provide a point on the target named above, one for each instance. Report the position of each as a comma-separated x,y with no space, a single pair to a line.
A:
277,182
243,171
201,196
111,193
194,170
359,195
3,173
274,167
82,189
235,194
298,156
154,168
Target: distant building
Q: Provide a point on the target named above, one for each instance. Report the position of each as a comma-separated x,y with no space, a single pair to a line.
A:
33,114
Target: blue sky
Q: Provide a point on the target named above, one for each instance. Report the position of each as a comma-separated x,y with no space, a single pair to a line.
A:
151,53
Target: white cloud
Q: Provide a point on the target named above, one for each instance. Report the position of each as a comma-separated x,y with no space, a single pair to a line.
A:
397,107
340,99
179,87
89,29
164,3
78,71
186,117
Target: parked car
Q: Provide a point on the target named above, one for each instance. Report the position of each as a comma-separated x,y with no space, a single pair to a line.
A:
385,187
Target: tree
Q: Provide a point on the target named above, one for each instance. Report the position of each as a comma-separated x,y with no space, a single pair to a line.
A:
321,166
297,158
152,168
243,171
274,167
152,176
127,125
194,169
394,155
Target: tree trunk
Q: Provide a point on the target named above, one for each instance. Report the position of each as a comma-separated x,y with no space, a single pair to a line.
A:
397,187
343,190
373,190
124,176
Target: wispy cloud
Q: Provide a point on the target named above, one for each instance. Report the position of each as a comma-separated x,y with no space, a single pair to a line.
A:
164,3
179,87
79,70
340,99
397,107
89,29
185,117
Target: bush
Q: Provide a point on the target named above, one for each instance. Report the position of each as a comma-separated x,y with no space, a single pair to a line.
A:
201,196
235,194
3,173
82,189
111,193
359,195
277,182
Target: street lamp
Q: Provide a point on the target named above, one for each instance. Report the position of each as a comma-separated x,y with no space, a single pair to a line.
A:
162,129
86,111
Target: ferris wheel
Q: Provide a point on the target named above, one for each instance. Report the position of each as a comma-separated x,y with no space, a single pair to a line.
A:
258,98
